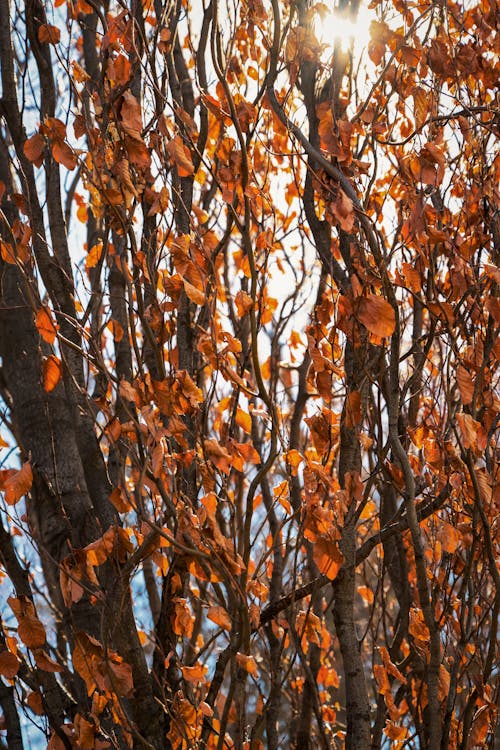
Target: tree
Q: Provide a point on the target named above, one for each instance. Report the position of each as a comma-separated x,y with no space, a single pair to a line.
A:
249,350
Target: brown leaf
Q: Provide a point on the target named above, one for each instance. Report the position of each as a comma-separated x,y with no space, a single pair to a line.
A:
181,156
421,104
9,664
48,34
353,414
473,433
465,385
34,149
34,701
377,315
64,154
32,632
43,661
194,294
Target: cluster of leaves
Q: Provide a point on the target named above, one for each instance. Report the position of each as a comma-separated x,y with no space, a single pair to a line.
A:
249,350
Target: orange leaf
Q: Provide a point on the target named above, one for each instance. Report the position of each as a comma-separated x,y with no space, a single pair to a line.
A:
52,369
377,315
421,104
180,155
18,484
353,414
465,385
473,433
45,325
34,149
219,615
247,663
327,557
131,116
119,500
243,420
48,34
183,619
194,294
64,154
195,674
393,732
95,252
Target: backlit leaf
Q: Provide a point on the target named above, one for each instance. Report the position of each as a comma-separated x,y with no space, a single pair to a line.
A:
18,484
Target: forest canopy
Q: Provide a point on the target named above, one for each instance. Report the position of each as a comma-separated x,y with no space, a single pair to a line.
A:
249,318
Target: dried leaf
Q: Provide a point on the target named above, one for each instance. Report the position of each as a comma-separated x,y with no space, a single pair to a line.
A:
34,149
48,34
18,484
377,315
9,664
181,156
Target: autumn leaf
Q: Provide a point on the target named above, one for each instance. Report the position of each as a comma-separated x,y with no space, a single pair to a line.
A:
48,34
183,620
64,154
180,155
34,701
327,557
473,433
353,409
34,149
243,420
195,674
45,325
421,104
194,294
18,484
377,315
248,664
29,628
465,385
220,616
52,369
43,661
9,664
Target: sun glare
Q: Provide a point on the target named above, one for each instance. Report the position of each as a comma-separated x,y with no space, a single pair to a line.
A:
332,27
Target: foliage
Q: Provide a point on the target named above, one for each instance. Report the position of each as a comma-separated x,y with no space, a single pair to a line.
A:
249,347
